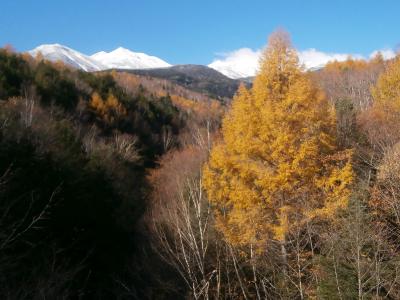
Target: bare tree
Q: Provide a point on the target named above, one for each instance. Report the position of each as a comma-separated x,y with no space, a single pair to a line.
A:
183,235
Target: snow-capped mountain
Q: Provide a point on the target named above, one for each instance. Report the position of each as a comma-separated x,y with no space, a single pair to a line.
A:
240,63
232,70
57,52
122,58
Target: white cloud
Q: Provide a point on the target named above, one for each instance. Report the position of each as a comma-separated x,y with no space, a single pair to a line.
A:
244,62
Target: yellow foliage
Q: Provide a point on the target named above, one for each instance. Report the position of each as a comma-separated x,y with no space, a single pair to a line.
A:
278,164
96,103
387,90
109,110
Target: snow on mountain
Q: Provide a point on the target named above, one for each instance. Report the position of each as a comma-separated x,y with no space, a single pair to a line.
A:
237,64
232,71
57,52
122,58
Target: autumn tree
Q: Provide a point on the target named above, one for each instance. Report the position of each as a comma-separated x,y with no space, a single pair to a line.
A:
278,164
386,94
110,110
380,122
387,88
350,79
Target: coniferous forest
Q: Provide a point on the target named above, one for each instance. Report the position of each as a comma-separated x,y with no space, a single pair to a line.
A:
116,185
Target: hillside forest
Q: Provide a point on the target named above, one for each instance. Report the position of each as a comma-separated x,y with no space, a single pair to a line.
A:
120,185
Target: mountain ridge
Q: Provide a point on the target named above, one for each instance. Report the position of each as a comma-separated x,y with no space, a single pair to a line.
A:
198,78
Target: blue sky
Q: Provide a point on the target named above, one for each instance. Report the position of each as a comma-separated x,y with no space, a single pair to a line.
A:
198,31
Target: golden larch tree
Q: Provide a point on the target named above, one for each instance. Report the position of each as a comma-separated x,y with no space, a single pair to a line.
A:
109,110
387,89
381,122
278,163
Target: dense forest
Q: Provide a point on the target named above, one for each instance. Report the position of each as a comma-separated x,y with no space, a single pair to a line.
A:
122,186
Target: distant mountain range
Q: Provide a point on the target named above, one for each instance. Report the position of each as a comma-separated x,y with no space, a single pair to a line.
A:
125,59
198,78
120,58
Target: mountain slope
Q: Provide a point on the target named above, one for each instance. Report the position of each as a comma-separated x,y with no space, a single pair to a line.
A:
122,58
57,52
196,77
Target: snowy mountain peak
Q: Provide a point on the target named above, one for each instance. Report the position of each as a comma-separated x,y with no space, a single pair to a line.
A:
120,58
48,49
122,49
